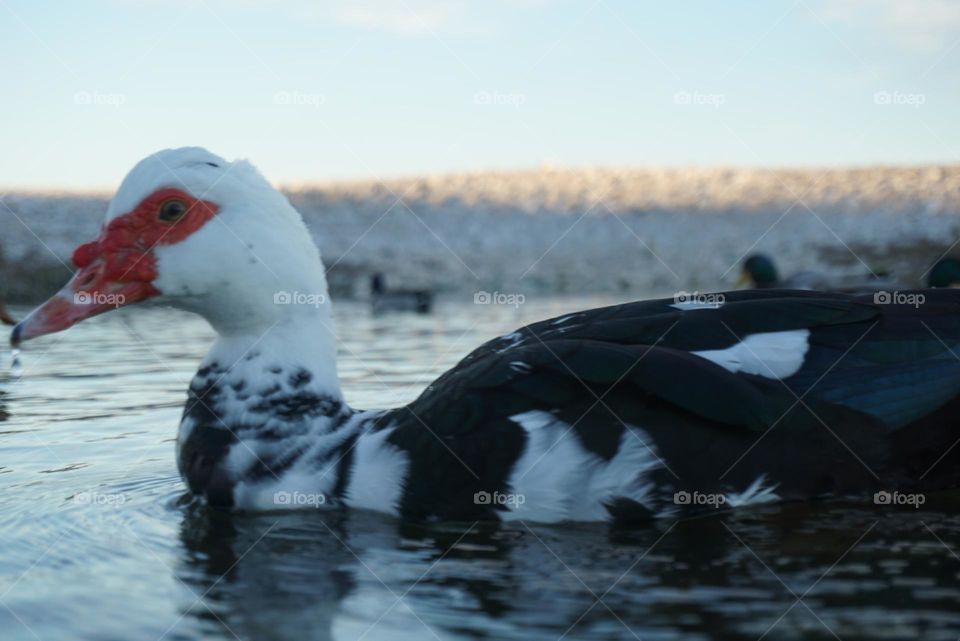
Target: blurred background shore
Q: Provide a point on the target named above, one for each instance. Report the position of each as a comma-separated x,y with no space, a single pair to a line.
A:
560,230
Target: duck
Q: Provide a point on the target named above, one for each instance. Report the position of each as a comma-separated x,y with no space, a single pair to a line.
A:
945,273
5,316
398,300
760,272
621,414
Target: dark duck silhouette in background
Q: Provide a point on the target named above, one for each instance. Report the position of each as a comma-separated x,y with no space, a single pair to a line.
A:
760,272
946,273
398,300
5,316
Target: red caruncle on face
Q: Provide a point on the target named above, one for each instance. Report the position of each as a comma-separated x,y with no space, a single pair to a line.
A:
126,243
119,267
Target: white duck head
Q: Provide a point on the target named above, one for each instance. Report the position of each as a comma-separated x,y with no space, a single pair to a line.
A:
194,231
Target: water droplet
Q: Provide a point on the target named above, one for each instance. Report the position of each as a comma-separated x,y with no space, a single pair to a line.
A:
16,369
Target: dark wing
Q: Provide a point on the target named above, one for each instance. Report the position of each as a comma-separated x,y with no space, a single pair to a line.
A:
861,369
894,361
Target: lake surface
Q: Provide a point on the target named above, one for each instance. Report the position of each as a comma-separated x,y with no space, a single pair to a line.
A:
101,542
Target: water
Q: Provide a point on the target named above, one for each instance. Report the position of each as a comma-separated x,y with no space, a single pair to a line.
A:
101,542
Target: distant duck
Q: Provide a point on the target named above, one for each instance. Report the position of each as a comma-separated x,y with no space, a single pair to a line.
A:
398,300
760,272
5,316
946,273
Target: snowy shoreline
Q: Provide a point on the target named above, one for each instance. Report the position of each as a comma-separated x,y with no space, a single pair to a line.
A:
566,230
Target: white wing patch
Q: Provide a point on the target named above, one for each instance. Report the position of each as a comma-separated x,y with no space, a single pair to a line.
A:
626,475
377,475
559,480
552,469
771,354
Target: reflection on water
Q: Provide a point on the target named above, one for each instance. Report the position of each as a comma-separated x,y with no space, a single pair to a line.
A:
100,541
358,576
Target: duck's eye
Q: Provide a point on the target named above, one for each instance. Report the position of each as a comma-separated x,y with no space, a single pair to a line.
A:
172,210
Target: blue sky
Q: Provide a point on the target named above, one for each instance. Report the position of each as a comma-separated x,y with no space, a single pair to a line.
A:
378,88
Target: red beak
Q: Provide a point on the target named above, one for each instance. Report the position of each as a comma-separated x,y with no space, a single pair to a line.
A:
104,281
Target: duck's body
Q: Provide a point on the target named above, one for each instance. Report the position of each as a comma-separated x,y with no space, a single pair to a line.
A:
608,414
624,413
398,300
